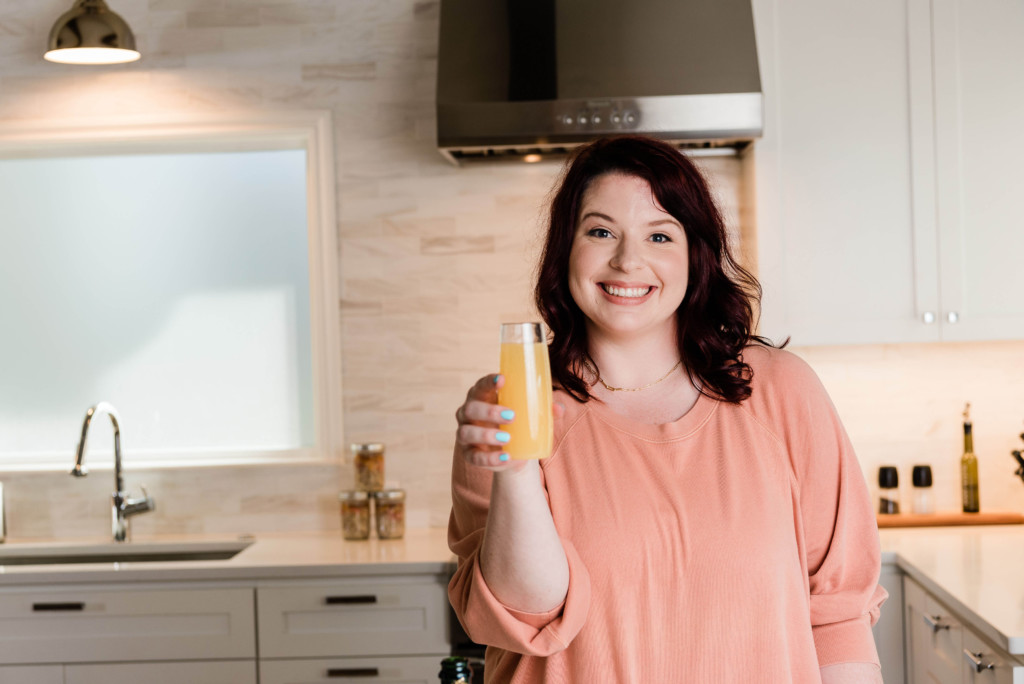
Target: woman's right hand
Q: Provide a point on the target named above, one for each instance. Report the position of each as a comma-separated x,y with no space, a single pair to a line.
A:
479,439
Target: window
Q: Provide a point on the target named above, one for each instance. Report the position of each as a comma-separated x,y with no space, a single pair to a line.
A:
184,273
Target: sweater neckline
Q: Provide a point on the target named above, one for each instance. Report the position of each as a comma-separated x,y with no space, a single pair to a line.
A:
681,428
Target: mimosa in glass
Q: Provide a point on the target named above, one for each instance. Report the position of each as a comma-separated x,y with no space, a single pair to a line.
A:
527,390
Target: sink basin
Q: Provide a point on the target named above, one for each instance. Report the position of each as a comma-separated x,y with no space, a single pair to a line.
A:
50,553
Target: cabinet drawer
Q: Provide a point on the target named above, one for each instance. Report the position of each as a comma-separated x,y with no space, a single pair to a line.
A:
31,674
224,672
985,664
213,672
386,616
392,670
69,626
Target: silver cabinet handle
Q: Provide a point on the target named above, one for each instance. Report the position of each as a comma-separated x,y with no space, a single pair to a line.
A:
976,662
934,622
952,317
928,317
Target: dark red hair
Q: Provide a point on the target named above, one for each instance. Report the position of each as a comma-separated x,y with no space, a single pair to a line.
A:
716,318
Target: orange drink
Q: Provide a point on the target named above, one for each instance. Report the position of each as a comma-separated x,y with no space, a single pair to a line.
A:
527,390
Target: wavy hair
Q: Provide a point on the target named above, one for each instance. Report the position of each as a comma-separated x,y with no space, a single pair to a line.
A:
715,320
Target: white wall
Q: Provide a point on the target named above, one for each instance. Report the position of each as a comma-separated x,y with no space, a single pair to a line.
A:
432,258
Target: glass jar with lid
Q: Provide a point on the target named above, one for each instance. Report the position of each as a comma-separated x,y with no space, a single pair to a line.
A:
389,506
369,463
355,514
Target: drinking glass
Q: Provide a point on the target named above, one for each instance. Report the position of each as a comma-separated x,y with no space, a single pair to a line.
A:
527,390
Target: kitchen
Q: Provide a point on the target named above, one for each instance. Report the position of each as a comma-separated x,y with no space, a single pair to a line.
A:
433,257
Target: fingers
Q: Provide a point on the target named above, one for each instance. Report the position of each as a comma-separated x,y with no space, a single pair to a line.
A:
486,388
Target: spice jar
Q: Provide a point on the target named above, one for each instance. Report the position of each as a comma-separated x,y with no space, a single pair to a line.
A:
889,496
369,462
390,513
355,514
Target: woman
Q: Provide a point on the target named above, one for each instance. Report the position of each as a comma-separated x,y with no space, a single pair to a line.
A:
702,517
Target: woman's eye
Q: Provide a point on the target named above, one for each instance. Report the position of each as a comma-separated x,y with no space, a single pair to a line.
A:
599,232
660,237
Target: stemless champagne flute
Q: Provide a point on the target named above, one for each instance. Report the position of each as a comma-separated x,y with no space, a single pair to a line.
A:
527,390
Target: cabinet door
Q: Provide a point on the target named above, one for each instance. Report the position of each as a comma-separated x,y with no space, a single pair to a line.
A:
223,672
934,639
846,234
421,670
985,664
383,616
88,625
979,106
31,674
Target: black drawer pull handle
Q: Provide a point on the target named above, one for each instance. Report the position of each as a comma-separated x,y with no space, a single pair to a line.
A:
57,607
353,672
350,600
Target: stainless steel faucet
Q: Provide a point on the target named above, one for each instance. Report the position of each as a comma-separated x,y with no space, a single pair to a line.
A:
123,506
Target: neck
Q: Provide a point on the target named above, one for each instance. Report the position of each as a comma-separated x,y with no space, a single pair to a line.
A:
634,362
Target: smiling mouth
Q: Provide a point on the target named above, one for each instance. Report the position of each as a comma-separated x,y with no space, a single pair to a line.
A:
626,292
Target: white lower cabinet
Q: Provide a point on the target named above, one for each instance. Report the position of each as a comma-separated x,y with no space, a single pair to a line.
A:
383,670
381,629
85,624
888,631
942,649
384,629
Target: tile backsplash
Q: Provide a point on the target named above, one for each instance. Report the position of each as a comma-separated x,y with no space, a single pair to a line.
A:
432,259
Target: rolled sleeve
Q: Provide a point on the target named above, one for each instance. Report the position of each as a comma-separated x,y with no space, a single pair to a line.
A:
841,546
486,619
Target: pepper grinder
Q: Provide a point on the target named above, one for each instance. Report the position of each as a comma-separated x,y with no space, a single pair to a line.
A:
922,479
889,497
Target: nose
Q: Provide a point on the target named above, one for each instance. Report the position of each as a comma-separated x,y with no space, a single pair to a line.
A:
627,257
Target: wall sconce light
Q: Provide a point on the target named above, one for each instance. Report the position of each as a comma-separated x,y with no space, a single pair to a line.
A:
89,33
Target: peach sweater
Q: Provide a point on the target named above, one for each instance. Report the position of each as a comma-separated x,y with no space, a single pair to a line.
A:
735,544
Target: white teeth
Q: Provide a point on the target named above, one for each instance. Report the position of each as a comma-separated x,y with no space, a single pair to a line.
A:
626,291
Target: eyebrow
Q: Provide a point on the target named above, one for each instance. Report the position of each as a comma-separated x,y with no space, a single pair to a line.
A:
608,218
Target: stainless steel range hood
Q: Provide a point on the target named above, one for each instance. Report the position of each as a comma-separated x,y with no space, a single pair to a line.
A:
538,77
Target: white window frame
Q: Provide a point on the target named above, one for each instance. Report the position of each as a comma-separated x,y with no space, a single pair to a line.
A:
308,130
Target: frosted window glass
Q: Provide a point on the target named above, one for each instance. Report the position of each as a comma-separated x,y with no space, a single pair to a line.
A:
175,286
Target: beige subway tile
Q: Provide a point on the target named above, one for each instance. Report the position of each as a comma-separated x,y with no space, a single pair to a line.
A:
223,18
359,71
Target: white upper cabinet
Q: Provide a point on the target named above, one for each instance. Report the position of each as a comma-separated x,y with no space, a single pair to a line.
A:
979,110
880,198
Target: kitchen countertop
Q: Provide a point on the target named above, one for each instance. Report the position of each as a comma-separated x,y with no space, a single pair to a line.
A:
283,555
978,572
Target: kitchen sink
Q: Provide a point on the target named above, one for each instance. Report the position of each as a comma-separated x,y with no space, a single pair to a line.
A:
51,553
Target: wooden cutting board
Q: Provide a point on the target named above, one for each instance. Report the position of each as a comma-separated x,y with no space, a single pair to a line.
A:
948,518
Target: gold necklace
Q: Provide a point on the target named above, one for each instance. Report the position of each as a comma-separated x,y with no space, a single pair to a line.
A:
630,389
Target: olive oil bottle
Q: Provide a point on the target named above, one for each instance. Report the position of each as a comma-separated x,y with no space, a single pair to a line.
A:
969,467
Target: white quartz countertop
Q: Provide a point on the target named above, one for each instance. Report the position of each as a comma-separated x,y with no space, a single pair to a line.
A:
270,556
977,571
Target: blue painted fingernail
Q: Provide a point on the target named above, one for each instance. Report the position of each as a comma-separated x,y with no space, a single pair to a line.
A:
508,414
503,457
496,378
502,437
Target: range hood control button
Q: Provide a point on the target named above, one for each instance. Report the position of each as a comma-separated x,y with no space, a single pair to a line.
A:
630,118
582,120
568,120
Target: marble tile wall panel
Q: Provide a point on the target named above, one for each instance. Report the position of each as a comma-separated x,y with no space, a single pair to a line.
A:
432,259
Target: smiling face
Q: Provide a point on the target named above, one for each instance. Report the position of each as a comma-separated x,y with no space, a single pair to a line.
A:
629,262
